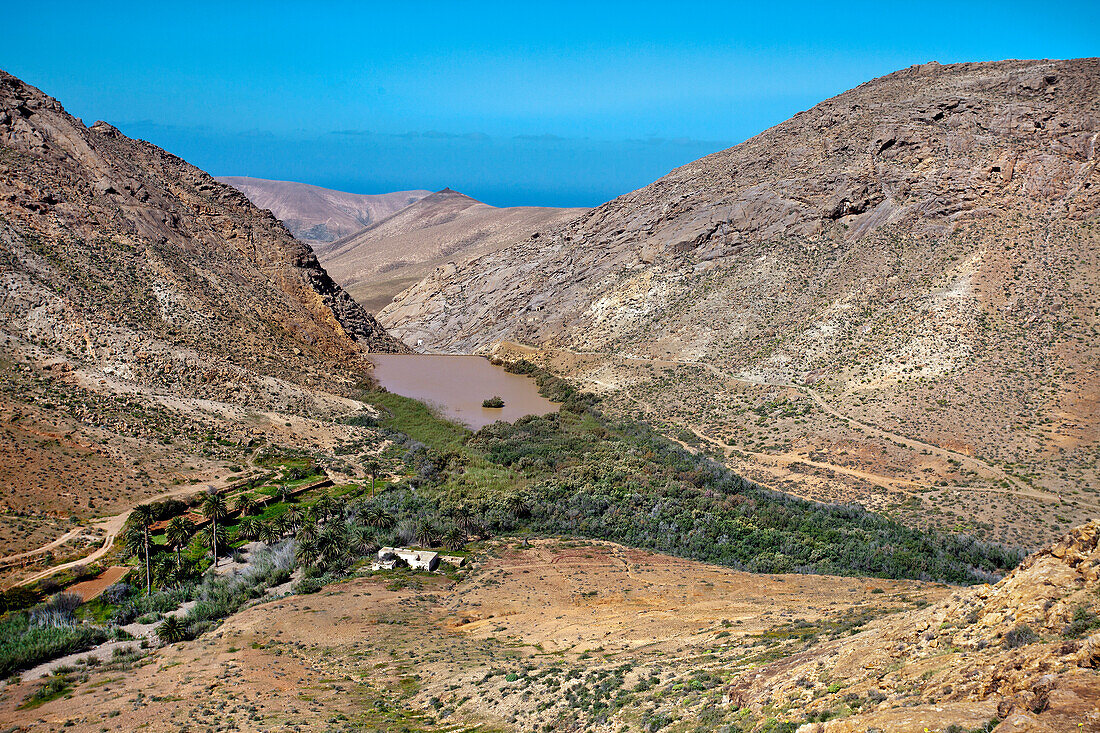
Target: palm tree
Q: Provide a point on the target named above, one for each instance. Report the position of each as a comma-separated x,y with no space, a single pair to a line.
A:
164,571
332,544
464,515
211,536
213,508
361,540
249,528
140,519
307,532
454,538
284,493
306,552
425,533
292,520
179,533
246,504
373,467
268,533
379,518
133,538
171,630
324,508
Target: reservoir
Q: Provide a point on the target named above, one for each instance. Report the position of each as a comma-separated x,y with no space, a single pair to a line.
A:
456,385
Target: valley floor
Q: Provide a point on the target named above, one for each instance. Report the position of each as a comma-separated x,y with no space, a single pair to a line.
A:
568,633
830,448
556,634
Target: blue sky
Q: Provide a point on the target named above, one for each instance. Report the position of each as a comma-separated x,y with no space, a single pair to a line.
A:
513,103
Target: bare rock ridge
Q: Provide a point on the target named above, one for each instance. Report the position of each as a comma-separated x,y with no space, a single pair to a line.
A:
316,215
378,262
927,152
119,252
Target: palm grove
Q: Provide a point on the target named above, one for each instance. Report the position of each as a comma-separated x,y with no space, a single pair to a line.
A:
574,472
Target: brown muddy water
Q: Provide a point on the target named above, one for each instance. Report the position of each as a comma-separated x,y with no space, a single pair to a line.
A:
456,385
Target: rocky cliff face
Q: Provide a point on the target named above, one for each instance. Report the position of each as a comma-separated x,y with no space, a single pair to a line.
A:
828,202
118,252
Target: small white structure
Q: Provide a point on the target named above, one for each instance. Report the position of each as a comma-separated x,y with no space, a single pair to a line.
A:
390,557
453,560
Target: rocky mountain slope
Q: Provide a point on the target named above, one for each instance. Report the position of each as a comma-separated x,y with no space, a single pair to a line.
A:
378,262
317,215
921,250
1024,652
139,297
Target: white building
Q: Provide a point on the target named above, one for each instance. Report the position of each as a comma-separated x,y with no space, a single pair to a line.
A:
389,558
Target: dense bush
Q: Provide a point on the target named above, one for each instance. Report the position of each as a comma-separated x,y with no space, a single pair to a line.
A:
29,639
117,593
220,596
17,598
589,477
1021,635
158,602
577,472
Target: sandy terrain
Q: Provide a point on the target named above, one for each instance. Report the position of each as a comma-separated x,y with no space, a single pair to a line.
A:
431,654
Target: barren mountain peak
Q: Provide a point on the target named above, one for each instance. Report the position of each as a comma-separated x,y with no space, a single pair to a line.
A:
319,215
378,262
120,236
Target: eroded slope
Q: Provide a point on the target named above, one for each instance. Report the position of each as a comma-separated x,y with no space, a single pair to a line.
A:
139,300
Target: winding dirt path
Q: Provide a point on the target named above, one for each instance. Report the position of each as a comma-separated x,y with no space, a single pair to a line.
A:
112,526
12,559
781,460
889,482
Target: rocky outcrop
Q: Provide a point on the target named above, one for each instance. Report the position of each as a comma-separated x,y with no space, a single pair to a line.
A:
116,252
1023,651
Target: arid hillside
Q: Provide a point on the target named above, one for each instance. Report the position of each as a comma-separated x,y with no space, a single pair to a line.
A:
318,215
892,297
142,305
580,635
377,263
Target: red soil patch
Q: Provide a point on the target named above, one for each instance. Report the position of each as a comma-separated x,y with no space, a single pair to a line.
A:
90,589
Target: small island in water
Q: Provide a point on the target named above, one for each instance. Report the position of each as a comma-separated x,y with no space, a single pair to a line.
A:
494,401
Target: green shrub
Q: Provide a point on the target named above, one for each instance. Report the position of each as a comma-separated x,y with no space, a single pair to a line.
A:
1084,620
1021,635
171,630
55,686
25,643
307,585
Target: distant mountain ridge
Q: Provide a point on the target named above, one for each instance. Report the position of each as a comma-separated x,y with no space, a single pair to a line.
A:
317,215
378,262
